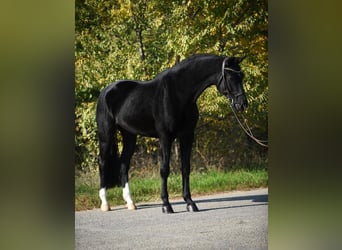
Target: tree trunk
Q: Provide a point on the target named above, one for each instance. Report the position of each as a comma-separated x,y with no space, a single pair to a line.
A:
141,44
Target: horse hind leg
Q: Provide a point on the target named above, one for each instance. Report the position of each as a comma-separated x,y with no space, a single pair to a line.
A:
129,141
104,168
108,160
104,203
109,171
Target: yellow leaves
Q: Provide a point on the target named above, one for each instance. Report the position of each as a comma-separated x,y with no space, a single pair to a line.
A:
123,10
212,102
150,145
158,22
152,149
252,70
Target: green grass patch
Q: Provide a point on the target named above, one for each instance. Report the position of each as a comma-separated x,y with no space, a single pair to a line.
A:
148,188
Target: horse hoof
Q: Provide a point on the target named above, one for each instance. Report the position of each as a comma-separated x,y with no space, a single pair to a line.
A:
105,208
131,206
192,208
167,209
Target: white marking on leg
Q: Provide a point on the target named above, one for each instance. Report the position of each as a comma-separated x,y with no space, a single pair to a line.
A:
104,204
103,197
127,197
126,194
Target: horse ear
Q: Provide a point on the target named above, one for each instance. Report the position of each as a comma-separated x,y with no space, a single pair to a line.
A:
240,59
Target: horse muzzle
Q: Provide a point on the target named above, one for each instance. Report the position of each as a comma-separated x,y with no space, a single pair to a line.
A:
239,107
239,104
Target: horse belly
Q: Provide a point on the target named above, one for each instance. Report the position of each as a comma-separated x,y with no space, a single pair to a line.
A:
137,119
142,126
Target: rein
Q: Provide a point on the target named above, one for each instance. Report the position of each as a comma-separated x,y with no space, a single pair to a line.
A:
245,128
248,131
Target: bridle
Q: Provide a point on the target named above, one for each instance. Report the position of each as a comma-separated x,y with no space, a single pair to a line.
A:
245,128
226,83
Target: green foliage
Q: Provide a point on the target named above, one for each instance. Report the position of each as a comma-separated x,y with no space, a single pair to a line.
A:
86,147
137,39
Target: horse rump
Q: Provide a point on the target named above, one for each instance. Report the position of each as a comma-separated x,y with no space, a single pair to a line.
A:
109,162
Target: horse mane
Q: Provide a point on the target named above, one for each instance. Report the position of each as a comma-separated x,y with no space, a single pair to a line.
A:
186,63
198,56
194,59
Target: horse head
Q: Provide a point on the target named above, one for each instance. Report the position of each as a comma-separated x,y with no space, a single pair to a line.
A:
230,83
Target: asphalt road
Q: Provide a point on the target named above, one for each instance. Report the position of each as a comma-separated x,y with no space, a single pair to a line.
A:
232,220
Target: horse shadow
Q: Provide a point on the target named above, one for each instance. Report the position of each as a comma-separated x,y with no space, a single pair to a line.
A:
257,200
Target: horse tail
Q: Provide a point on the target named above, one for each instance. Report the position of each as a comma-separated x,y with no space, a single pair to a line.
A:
109,162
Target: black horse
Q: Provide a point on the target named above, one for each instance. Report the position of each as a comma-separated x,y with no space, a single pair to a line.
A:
165,108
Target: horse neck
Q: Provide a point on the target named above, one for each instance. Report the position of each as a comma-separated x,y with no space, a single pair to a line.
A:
199,77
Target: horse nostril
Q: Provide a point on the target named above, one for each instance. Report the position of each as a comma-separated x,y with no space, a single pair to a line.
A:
245,104
238,107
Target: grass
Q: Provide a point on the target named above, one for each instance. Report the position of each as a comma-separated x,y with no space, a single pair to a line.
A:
148,188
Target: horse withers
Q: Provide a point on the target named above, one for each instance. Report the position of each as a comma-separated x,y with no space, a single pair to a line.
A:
164,108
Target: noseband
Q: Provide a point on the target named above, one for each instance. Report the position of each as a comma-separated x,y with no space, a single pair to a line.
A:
226,83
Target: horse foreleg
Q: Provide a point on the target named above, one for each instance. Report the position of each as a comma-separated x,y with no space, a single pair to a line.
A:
185,148
165,150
